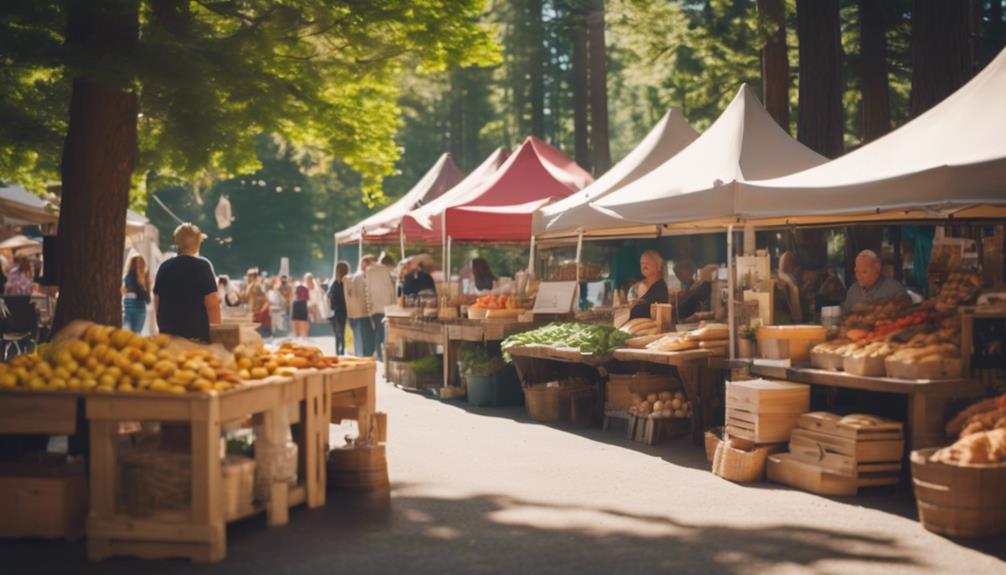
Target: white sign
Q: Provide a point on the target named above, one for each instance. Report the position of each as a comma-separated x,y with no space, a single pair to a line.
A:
555,297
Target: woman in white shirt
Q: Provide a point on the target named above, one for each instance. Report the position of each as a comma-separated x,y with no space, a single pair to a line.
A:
317,303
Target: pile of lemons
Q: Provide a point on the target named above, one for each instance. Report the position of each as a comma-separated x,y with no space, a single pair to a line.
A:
106,359
284,360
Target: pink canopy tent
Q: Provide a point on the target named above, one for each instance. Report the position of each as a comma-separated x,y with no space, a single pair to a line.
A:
502,206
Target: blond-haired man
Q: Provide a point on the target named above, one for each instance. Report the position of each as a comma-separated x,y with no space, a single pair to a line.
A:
185,291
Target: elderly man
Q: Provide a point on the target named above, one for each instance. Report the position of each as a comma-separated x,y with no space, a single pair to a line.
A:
870,286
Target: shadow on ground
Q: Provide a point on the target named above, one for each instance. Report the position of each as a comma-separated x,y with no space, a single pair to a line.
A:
488,534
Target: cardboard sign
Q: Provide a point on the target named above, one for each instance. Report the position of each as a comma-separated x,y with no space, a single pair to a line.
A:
555,297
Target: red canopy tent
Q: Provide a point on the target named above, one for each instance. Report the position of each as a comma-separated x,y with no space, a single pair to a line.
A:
501,208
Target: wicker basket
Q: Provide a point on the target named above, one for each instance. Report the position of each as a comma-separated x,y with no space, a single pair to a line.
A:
546,403
737,465
238,485
713,438
155,480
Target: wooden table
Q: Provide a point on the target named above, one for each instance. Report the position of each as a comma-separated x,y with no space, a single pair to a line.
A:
415,329
693,370
200,533
927,398
476,331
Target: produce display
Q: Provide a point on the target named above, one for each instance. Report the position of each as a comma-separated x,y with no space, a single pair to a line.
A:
285,360
984,415
641,327
595,338
919,341
711,336
981,447
663,404
495,302
102,358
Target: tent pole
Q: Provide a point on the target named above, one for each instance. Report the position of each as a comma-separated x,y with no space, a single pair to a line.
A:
360,255
579,251
401,243
443,246
730,289
448,271
530,259
335,258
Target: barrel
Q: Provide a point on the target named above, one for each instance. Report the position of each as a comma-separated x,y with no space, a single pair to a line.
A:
364,468
959,500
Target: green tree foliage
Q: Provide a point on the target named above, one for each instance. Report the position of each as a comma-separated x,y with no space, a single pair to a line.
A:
212,75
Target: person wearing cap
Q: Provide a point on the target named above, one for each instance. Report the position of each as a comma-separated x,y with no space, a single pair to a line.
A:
186,301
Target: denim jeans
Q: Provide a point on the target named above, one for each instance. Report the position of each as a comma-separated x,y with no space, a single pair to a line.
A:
134,314
363,336
339,328
378,321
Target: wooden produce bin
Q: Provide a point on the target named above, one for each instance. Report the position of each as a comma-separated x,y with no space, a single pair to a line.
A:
765,411
200,532
959,500
46,499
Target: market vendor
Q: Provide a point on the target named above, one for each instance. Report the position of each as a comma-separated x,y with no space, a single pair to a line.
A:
652,289
416,278
186,301
699,296
684,270
871,286
483,275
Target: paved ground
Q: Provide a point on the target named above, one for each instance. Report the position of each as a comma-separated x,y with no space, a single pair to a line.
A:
487,491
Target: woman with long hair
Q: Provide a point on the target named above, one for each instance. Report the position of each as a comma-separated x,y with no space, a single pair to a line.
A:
482,274
135,294
298,311
21,278
337,301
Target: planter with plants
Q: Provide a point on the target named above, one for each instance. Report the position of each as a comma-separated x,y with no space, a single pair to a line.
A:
746,344
491,382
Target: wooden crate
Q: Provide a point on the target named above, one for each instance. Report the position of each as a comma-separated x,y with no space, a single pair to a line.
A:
959,500
44,500
860,452
654,430
760,427
763,396
787,469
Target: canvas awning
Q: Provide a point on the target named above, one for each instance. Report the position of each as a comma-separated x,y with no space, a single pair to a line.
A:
418,224
951,160
563,218
502,209
19,206
442,176
699,183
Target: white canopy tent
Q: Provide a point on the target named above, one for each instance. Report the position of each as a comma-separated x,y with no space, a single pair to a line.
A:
699,183
18,206
440,178
564,218
951,160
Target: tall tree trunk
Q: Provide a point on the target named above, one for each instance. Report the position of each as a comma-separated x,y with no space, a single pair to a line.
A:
774,60
873,52
536,55
819,118
99,155
581,136
941,60
455,125
598,88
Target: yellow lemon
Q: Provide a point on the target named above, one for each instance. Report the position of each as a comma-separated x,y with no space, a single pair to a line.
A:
136,370
36,383
107,380
244,374
88,384
43,369
148,359
126,387
61,373
161,340
57,384
73,383
177,389
99,351
62,357
80,349
160,385
202,385
120,338
259,373
8,380
104,388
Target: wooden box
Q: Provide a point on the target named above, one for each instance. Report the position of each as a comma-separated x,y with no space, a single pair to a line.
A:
50,501
792,342
654,430
943,369
827,360
619,388
787,469
765,411
864,365
763,396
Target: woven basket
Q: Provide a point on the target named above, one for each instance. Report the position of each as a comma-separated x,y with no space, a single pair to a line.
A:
713,438
238,485
545,403
737,465
155,480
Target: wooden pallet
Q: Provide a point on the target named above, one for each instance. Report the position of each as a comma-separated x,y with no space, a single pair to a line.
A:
652,431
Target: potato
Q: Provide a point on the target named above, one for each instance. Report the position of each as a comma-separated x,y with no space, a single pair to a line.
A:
651,397
665,395
675,403
679,413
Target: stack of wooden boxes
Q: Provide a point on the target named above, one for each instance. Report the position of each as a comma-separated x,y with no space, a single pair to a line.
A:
760,415
834,455
763,411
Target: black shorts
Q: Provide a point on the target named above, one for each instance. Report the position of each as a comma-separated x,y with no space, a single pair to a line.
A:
299,312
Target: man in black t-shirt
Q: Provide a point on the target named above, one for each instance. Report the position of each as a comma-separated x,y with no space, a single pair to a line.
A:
185,291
